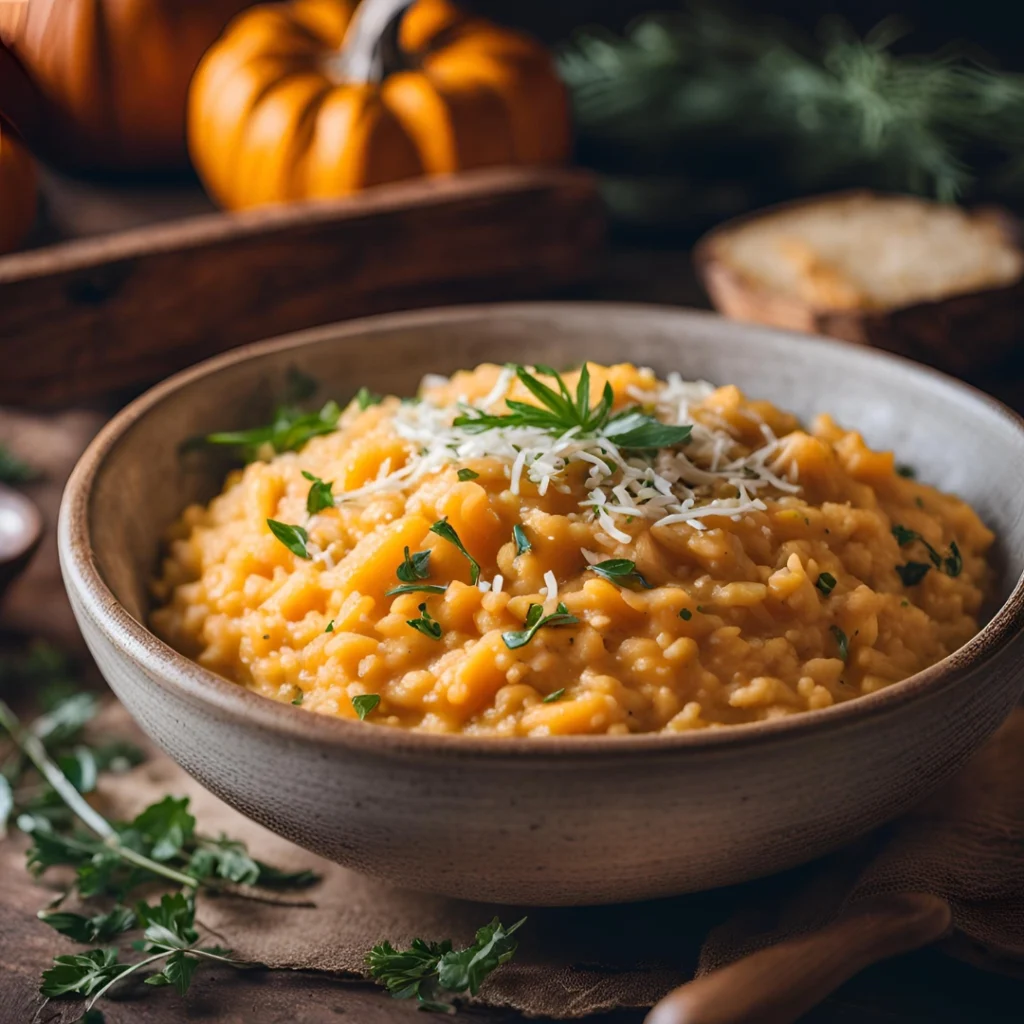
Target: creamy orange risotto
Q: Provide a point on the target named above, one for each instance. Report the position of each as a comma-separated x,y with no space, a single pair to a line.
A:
521,553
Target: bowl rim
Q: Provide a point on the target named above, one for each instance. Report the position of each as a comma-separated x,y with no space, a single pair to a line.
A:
172,670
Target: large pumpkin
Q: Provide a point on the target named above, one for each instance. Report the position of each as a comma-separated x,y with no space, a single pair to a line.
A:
17,190
302,100
111,76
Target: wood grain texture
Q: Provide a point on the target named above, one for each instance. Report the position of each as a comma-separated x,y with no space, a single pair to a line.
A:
87,317
780,984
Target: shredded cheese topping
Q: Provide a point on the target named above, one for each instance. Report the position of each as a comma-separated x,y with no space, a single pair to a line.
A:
669,486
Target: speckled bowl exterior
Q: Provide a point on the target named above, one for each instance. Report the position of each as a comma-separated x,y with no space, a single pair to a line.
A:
577,820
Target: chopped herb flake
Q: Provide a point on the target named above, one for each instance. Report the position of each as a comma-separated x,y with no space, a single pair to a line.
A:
290,430
841,642
522,541
364,703
912,573
425,624
365,398
467,474
619,570
414,567
908,472
552,697
294,538
297,700
535,620
415,588
826,583
445,530
330,627
320,496
686,614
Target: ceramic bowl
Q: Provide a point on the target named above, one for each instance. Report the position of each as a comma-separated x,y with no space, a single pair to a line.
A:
577,820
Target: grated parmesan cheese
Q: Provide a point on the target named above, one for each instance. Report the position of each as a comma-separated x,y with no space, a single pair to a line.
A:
675,487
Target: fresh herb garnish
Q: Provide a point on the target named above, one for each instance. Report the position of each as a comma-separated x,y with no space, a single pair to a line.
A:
552,697
425,624
951,564
535,619
826,583
619,570
685,614
427,969
415,588
160,844
298,698
289,431
522,541
364,703
842,642
330,627
912,573
467,474
414,567
320,496
444,529
907,472
294,538
365,398
560,411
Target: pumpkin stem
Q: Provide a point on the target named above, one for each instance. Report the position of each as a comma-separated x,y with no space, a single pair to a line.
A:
371,40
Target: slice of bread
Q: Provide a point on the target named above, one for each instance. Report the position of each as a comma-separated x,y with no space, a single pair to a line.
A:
919,277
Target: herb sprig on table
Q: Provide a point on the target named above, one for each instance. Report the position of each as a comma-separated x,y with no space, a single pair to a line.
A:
44,779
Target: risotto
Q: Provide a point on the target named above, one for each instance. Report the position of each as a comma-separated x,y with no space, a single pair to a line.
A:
517,552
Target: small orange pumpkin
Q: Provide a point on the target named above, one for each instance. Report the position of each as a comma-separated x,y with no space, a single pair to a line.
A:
111,76
319,98
17,190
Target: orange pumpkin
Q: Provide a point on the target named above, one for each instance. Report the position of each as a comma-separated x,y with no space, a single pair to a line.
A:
17,190
111,76
308,99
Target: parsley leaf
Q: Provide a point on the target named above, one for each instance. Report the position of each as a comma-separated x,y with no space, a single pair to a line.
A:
169,923
99,928
320,496
223,858
415,588
428,968
619,570
82,974
425,624
522,541
826,583
178,970
415,567
951,564
535,620
467,474
364,703
912,573
365,398
552,697
842,642
294,538
289,431
443,529
632,429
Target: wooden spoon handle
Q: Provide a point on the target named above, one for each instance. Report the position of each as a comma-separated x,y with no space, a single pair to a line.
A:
779,984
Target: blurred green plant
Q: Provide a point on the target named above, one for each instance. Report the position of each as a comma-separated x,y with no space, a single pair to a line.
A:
704,94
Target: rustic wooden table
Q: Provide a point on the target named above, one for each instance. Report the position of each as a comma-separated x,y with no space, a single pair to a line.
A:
923,988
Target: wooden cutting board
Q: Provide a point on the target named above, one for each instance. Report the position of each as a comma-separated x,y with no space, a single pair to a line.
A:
85,318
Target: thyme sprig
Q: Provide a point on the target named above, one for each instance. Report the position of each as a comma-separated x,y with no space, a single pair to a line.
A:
560,411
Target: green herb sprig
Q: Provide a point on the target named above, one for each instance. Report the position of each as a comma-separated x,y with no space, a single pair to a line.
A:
522,542
619,570
446,531
560,411
425,624
427,969
294,538
289,431
535,620
320,495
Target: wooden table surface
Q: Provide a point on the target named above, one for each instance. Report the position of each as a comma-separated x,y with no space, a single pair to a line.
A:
923,988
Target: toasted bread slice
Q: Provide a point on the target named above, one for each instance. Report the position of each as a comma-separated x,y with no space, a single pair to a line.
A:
934,281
